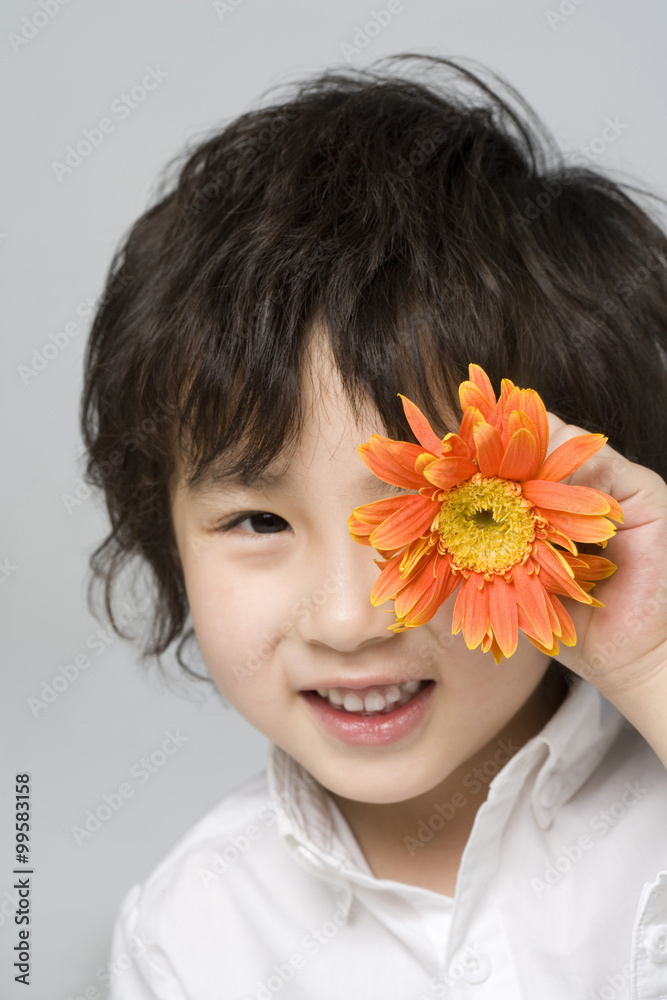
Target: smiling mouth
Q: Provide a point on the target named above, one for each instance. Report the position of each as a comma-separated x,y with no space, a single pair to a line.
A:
380,700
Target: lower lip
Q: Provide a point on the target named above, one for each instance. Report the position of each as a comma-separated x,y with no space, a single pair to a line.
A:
371,730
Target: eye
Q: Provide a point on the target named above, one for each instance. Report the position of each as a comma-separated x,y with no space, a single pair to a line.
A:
261,522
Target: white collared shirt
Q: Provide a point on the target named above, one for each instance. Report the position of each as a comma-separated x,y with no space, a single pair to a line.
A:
561,892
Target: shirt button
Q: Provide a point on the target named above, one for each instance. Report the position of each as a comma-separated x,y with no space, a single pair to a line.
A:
656,944
551,791
474,966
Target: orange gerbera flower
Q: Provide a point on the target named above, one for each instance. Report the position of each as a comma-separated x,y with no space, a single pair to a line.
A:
489,512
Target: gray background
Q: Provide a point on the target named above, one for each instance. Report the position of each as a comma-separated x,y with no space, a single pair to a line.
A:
578,66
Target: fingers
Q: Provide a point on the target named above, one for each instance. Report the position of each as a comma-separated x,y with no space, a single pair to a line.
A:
608,470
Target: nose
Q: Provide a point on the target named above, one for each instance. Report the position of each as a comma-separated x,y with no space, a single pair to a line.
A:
337,612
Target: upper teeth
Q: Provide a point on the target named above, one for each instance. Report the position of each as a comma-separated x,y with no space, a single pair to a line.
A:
377,700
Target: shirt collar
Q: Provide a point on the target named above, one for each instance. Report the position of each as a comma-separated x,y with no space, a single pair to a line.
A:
575,739
307,824
566,752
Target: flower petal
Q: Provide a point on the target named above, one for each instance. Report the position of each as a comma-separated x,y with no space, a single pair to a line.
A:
580,527
411,592
531,597
595,567
478,377
471,418
534,408
424,458
421,428
459,607
386,555
415,552
392,461
471,612
568,634
517,420
557,537
615,512
510,400
359,530
444,584
434,576
567,457
496,651
407,524
389,582
556,577
519,457
477,391
503,613
379,510
560,496
553,651
471,395
454,446
448,472
526,625
490,449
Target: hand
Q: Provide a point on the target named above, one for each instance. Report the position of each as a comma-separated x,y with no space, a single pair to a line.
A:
622,647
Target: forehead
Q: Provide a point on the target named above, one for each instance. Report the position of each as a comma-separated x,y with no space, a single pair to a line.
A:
331,430
326,449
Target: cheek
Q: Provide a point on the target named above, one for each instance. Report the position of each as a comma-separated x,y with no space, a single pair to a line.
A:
224,610
239,622
438,639
478,682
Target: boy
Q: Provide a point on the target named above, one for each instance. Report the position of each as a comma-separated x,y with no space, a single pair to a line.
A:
500,832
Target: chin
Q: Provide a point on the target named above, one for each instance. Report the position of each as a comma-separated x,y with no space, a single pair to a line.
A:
380,789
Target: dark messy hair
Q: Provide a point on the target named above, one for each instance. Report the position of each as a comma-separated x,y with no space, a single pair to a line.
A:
426,223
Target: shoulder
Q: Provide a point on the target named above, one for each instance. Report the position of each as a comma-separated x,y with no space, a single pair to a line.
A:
230,847
630,753
627,777
620,806
228,881
228,894
636,771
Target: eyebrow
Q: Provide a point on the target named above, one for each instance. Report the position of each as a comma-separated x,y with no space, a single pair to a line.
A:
218,482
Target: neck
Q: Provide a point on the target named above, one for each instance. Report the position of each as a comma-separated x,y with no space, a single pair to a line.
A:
384,831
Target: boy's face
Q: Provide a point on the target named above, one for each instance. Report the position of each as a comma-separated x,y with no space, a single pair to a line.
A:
280,606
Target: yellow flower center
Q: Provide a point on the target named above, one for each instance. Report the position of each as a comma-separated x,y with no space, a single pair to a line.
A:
486,524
